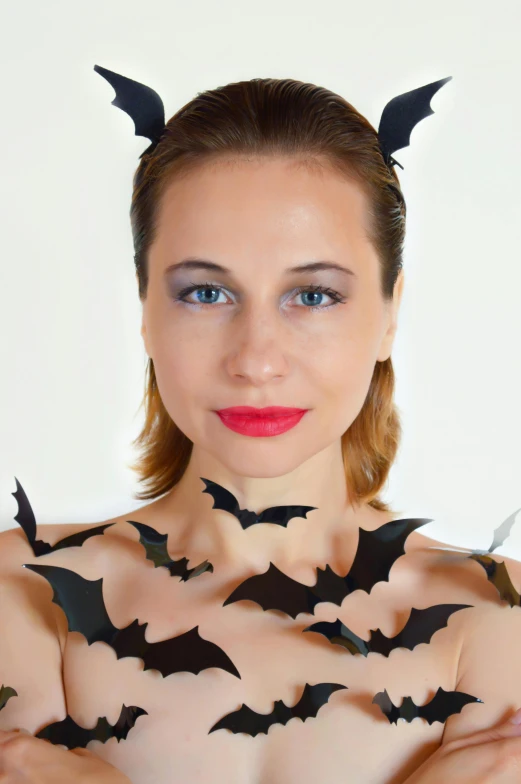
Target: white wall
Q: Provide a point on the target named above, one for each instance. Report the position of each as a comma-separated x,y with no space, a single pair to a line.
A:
72,361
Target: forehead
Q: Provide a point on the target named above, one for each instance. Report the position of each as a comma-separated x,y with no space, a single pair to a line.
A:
264,201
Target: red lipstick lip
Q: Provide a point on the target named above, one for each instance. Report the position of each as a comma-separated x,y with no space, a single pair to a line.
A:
269,411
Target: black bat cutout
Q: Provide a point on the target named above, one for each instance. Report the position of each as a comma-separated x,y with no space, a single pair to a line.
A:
155,545
401,115
82,602
251,723
277,515
68,733
375,555
25,517
443,704
6,692
420,628
497,574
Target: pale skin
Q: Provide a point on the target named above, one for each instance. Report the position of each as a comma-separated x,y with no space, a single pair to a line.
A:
260,344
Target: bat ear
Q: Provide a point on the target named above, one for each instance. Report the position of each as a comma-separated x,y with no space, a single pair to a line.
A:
401,114
140,102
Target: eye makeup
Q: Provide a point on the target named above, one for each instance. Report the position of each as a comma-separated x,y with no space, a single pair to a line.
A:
183,293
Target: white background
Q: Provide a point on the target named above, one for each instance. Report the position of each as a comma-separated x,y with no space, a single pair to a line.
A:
72,360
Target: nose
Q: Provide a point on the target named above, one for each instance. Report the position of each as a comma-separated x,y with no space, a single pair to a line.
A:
258,349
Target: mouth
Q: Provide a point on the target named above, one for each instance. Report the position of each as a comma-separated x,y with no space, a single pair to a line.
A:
260,422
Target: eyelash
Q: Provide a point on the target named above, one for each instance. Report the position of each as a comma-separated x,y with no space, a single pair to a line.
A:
335,296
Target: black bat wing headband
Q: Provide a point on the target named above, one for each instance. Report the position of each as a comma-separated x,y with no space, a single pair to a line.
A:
399,117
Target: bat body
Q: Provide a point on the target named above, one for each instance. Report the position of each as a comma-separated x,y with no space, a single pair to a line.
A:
155,545
375,555
402,114
251,723
497,574
278,515
443,704
83,604
6,692
25,517
68,733
420,627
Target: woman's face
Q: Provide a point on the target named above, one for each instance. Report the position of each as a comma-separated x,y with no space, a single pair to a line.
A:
247,336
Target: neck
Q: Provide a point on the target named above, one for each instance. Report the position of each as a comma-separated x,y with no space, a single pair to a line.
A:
206,532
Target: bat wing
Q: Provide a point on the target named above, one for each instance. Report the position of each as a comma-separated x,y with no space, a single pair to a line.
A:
274,590
402,114
420,628
502,532
25,517
188,652
203,567
313,698
497,574
281,515
377,551
77,539
222,498
81,600
140,102
250,722
339,634
6,692
245,720
68,733
443,704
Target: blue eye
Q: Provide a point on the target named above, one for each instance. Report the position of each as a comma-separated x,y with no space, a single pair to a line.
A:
211,292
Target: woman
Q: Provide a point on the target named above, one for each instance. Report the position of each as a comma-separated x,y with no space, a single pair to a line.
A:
245,184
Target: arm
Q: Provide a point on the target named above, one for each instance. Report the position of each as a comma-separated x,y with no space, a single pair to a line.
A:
32,639
481,744
488,665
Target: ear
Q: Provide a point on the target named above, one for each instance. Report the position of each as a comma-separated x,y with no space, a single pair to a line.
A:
394,306
144,334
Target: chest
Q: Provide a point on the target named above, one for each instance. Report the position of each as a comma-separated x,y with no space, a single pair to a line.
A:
349,738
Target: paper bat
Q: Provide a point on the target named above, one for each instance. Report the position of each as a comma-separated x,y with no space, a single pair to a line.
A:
25,517
376,553
6,692
401,115
156,551
420,628
68,733
443,704
251,723
140,102
497,574
82,602
278,515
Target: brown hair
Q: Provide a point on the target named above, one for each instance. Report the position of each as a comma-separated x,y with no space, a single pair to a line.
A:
274,117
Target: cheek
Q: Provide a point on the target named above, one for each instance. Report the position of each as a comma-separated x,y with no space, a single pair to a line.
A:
185,372
343,376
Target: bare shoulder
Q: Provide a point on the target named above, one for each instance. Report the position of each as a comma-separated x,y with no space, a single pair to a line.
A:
442,572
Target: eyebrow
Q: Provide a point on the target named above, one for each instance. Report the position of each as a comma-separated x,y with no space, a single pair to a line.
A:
312,266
